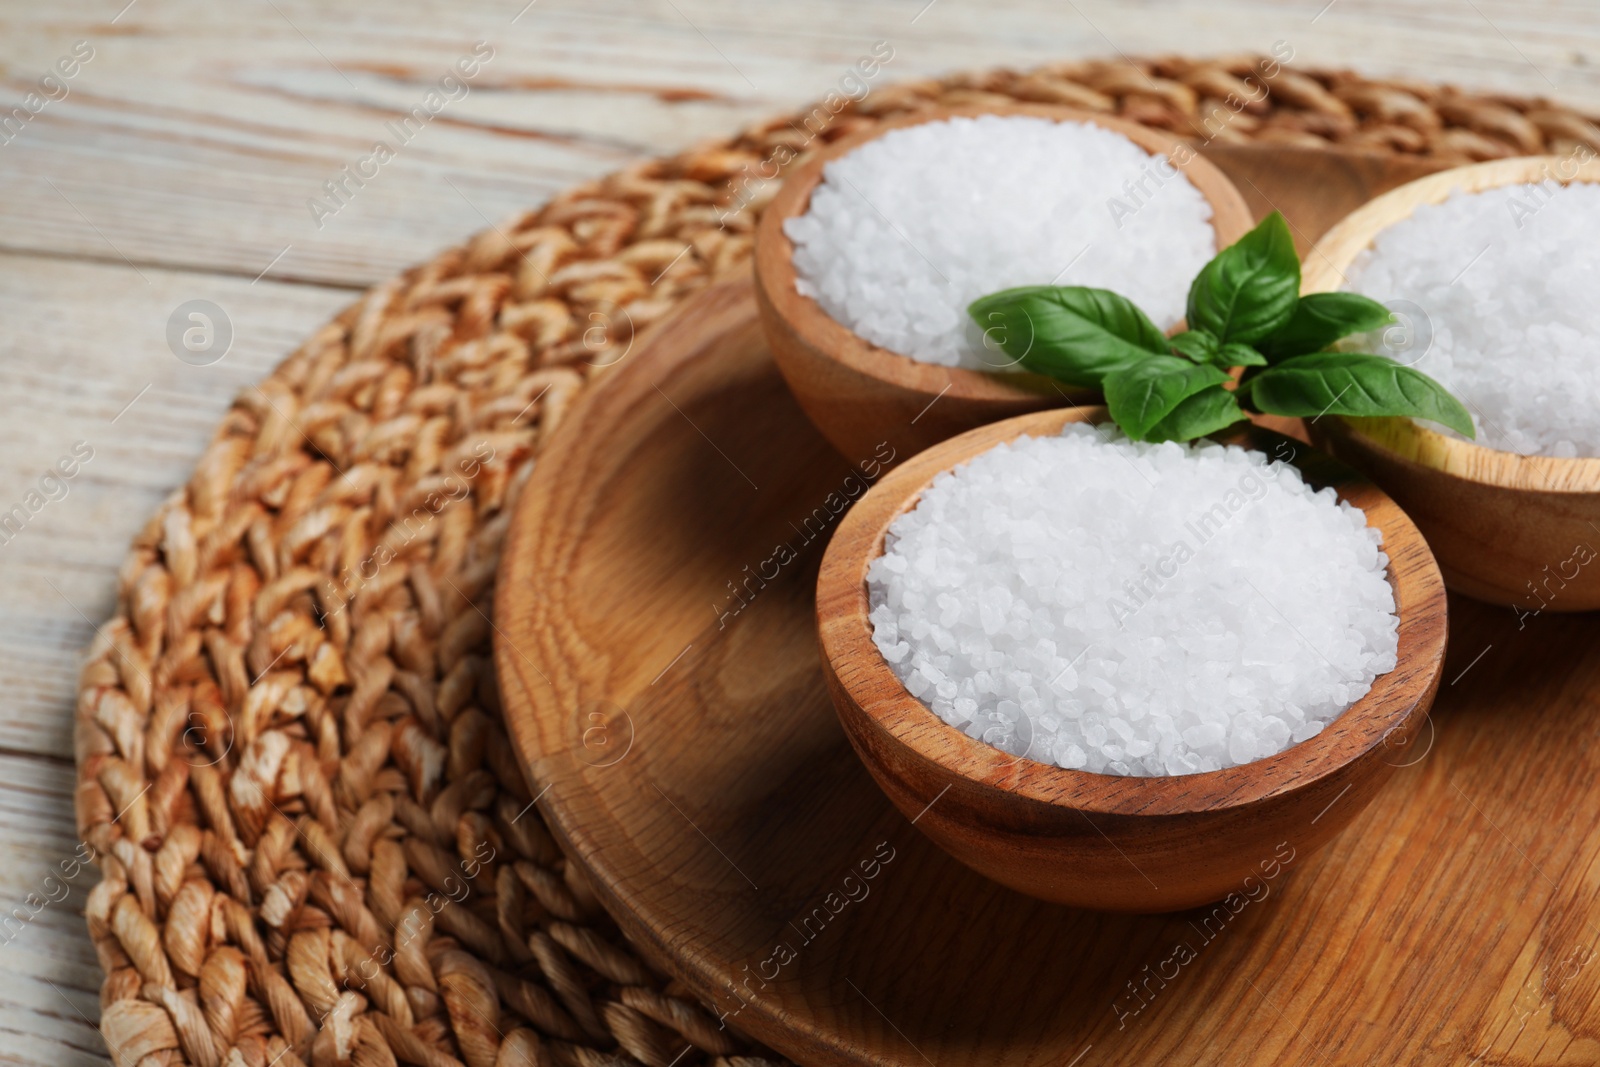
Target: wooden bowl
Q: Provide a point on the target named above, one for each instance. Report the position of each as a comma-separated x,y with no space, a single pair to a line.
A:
1506,528
1103,841
861,396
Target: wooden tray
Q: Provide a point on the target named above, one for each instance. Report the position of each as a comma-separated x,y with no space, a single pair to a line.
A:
685,751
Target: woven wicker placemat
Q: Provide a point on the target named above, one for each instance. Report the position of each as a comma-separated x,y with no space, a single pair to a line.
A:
315,842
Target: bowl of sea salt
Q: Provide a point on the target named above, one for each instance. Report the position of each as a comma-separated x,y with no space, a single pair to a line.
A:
1491,270
1128,676
870,252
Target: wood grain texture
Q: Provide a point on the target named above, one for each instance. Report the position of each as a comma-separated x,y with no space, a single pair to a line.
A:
192,140
1510,529
49,995
663,683
1100,841
99,377
860,395
85,359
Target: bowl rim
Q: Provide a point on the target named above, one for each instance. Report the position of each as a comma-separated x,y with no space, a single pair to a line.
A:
1388,709
774,253
1404,438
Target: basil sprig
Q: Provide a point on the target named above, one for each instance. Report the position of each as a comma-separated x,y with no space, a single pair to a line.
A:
1244,310
1073,333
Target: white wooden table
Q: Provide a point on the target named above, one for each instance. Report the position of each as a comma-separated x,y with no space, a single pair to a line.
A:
178,163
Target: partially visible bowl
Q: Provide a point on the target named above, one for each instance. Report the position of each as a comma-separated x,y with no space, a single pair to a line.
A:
861,396
1103,841
1505,528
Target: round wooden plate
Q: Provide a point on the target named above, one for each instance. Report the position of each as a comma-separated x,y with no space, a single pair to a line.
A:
658,664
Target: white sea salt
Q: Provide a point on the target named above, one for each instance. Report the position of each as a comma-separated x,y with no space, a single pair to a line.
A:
1133,609
907,230
1496,297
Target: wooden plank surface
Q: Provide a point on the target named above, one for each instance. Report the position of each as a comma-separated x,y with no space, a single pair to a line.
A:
195,137
177,162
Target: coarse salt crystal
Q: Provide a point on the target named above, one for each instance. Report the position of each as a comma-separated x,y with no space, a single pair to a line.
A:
1494,298
1212,608
908,229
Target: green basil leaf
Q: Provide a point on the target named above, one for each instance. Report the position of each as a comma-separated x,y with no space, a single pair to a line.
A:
1250,289
1321,319
1211,409
1234,354
1073,333
1141,395
1357,384
1197,345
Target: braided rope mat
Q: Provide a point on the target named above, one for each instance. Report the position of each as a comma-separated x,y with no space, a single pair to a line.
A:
316,845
